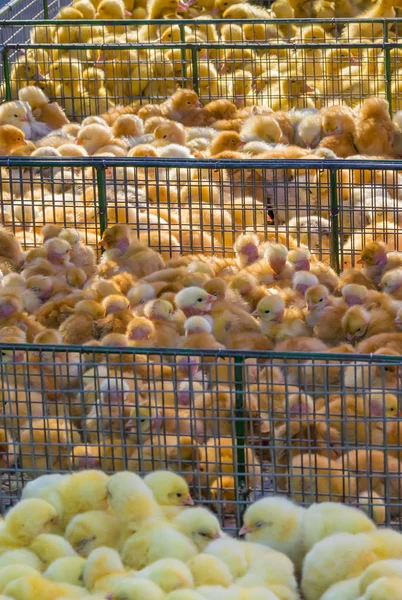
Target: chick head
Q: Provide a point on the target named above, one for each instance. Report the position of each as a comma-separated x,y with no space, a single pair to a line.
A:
136,589
200,525
300,258
100,563
317,297
114,391
243,283
169,489
271,521
144,419
209,570
86,8
354,294
335,121
14,113
32,586
159,309
9,305
271,309
268,129
294,87
276,255
391,281
197,324
303,280
185,100
140,329
226,140
194,301
66,70
140,294
110,9
90,307
170,133
84,491
11,136
128,125
384,405
58,251
29,518
67,569
373,254
94,136
143,150
355,322
92,529
117,236
169,573
70,235
114,303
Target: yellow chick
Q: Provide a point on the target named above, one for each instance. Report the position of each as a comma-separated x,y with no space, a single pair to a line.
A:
92,529
200,525
278,322
131,500
209,570
13,572
25,521
67,569
82,492
137,589
21,556
33,587
103,567
169,573
170,491
49,547
155,541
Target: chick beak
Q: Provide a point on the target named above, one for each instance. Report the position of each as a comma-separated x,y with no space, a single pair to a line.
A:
310,305
127,13
182,7
217,536
188,501
360,261
39,77
101,243
244,530
223,69
308,88
349,337
381,285
25,118
211,298
79,143
255,313
398,321
199,104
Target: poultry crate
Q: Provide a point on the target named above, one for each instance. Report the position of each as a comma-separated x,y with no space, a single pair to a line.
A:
334,207
237,425
299,70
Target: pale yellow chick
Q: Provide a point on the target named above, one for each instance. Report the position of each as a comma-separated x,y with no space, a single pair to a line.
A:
170,491
25,521
92,529
169,573
279,323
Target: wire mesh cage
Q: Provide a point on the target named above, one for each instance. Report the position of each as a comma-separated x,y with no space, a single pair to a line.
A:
236,425
189,206
88,66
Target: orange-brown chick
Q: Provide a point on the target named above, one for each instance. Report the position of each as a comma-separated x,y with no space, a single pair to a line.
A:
375,130
11,313
81,326
140,331
198,332
169,133
227,140
117,316
167,330
11,138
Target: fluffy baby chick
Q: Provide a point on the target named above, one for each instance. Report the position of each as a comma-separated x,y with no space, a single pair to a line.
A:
279,323
67,569
200,525
25,521
209,570
170,491
194,301
92,529
11,138
169,573
81,492
131,500
49,547
198,332
102,569
81,327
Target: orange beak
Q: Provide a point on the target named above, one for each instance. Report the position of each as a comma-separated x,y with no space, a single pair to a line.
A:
101,243
79,143
360,261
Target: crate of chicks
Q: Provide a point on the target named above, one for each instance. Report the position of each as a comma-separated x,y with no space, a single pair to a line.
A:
120,537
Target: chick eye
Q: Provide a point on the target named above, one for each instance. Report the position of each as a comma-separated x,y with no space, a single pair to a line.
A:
179,494
321,300
358,329
188,103
259,524
142,301
267,312
164,136
199,299
203,534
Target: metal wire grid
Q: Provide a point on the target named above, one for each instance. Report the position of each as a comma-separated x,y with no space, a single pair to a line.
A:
249,62
334,207
235,425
